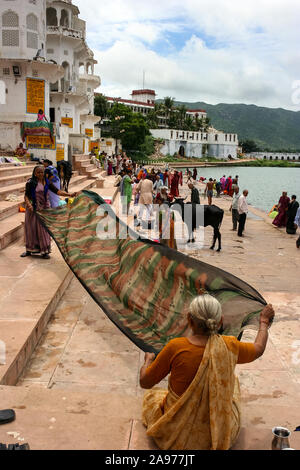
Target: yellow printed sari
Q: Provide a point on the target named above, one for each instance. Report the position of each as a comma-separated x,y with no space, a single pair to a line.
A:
207,415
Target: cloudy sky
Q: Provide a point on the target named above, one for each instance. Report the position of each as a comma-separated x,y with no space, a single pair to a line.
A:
229,51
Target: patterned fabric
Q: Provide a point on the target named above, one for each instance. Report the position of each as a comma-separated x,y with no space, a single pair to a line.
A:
145,288
36,128
207,415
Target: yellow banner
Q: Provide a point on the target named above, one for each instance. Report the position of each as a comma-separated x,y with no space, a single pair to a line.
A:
67,122
108,143
60,152
89,132
40,142
35,94
94,145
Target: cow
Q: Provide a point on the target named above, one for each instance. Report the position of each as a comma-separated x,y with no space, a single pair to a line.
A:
64,169
213,216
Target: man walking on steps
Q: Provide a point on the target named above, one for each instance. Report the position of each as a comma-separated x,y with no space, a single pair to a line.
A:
243,211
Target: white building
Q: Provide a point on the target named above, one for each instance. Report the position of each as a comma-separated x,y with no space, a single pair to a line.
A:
292,157
212,143
58,79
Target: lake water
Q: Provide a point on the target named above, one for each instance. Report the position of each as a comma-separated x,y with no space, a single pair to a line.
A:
265,185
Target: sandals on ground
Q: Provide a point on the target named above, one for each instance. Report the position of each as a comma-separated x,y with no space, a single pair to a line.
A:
7,416
14,446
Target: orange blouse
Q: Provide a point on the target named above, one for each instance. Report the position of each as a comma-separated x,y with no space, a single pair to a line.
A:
182,359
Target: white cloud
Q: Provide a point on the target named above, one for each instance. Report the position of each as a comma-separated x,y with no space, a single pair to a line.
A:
217,51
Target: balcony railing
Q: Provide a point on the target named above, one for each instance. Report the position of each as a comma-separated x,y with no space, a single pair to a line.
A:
65,32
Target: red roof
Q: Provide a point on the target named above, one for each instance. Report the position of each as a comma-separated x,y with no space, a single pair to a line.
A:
196,111
143,92
120,100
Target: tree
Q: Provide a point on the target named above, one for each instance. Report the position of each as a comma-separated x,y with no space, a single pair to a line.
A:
128,127
168,105
181,110
154,115
101,106
189,123
249,146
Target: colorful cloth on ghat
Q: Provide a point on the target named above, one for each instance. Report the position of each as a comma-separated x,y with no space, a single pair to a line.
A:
145,288
36,128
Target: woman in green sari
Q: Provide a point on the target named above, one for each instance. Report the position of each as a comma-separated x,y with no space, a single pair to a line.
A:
127,192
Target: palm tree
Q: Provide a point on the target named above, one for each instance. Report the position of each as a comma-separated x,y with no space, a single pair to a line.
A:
168,105
189,123
205,122
181,110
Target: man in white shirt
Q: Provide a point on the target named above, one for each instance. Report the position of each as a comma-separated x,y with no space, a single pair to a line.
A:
243,211
234,207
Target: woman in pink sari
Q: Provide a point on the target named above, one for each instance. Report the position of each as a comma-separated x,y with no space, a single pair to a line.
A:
281,219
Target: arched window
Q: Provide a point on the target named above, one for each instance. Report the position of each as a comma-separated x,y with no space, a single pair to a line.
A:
81,68
51,17
10,19
10,35
32,37
64,19
32,22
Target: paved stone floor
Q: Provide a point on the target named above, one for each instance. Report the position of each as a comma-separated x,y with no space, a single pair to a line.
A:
92,369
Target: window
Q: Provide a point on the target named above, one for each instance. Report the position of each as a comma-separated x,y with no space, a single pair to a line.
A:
216,137
32,22
32,37
6,71
10,37
10,19
64,19
50,51
51,17
32,40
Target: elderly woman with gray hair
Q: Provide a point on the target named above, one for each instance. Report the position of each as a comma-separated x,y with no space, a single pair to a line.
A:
200,410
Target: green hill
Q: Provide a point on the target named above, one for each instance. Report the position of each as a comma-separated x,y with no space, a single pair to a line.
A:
272,129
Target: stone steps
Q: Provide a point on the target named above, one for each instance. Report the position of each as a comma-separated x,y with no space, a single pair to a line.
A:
15,170
13,179
30,290
8,208
11,221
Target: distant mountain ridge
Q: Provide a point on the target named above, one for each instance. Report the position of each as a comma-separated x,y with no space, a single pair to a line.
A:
271,129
